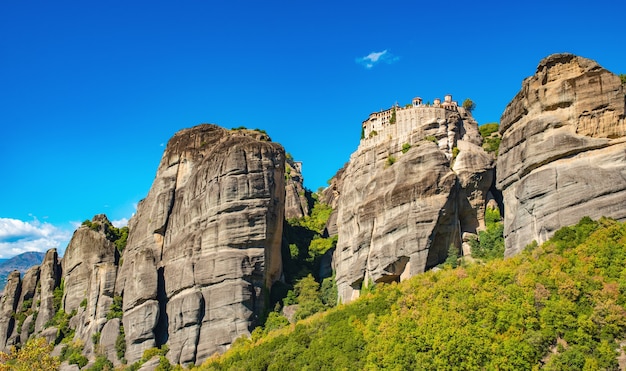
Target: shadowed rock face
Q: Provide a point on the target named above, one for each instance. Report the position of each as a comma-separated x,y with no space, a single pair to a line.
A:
398,213
8,304
204,244
296,204
563,150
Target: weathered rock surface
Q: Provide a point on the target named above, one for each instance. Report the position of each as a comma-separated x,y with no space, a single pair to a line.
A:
26,301
49,278
563,150
89,274
296,204
204,244
330,196
398,213
108,337
8,304
475,170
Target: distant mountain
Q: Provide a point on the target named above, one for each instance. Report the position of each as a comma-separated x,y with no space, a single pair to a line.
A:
20,262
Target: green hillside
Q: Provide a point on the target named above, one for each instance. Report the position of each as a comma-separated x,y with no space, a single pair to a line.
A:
560,306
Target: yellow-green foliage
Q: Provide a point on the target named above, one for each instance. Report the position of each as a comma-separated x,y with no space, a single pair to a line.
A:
490,243
390,161
504,314
317,220
431,138
34,355
455,152
491,140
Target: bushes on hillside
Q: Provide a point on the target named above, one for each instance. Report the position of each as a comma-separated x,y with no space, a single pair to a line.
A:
557,306
490,242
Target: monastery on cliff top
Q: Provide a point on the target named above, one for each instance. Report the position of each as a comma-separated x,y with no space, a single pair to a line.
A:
399,122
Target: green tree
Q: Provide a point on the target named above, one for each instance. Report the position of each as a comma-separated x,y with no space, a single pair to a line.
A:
308,298
491,138
116,310
328,291
453,256
490,242
469,105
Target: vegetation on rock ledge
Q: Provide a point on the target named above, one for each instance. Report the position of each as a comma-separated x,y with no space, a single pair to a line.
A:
491,137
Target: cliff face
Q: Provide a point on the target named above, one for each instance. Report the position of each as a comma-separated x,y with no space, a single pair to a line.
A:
89,271
202,248
563,151
398,213
204,244
296,203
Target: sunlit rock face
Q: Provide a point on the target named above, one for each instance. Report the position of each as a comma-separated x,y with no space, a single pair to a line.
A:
563,151
89,268
403,201
204,244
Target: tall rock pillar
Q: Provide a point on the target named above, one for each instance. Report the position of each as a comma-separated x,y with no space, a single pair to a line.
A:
204,244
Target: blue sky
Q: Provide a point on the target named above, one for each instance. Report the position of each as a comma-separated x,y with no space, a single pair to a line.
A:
90,92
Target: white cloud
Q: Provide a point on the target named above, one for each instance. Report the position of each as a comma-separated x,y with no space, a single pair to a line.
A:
376,57
120,223
17,236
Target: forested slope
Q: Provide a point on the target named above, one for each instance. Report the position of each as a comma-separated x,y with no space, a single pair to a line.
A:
559,306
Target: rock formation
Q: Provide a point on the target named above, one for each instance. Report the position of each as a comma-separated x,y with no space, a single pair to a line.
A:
49,279
18,307
204,244
8,304
89,272
330,196
296,203
203,248
401,204
563,151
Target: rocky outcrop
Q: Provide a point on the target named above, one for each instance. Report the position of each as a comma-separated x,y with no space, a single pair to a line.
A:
475,171
296,203
204,244
49,279
89,272
401,205
330,196
563,151
108,338
8,304
27,304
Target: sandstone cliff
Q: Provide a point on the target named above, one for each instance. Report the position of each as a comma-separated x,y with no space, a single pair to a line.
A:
398,211
27,303
563,151
89,272
204,244
203,248
296,203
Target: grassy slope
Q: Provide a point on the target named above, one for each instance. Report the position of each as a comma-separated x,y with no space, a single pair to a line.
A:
559,307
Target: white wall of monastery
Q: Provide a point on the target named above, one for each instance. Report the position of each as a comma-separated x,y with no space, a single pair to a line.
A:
379,126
